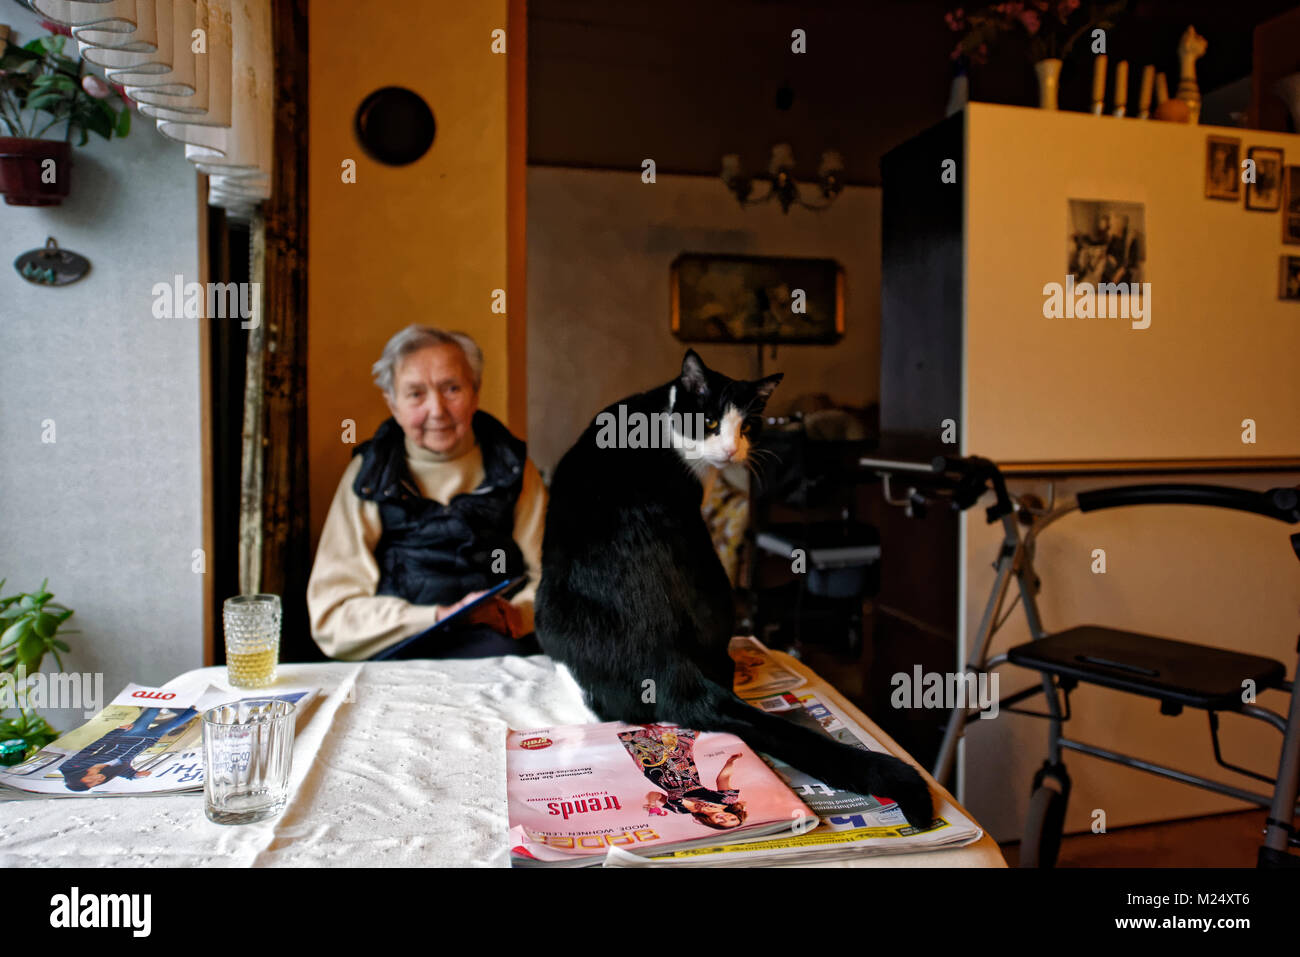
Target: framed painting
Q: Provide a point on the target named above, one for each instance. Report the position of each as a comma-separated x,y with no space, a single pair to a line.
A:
763,299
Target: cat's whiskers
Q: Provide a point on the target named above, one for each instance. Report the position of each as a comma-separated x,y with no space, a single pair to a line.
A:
755,461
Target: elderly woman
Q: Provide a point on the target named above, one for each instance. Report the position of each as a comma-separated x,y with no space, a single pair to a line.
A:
441,504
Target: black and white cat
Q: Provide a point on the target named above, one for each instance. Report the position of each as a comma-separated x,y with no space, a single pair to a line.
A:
634,601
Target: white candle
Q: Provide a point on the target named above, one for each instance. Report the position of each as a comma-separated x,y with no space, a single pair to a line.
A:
1144,97
1099,83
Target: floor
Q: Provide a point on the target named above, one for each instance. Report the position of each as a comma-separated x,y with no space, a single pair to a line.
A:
1220,840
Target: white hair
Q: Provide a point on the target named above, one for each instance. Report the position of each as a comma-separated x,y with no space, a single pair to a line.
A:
414,338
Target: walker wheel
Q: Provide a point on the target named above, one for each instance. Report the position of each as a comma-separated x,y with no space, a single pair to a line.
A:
1043,823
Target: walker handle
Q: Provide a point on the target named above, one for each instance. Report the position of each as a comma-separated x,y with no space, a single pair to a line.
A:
1282,504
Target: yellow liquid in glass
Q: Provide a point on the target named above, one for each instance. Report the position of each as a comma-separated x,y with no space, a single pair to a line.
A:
251,669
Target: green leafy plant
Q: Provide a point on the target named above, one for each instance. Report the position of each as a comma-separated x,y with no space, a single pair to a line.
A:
30,622
41,88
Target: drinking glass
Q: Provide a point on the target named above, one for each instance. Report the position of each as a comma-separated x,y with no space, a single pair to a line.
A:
252,627
247,752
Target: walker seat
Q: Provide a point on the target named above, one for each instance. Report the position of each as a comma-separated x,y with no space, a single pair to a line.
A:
1194,675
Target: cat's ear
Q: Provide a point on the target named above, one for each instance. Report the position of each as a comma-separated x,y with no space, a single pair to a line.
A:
693,372
763,387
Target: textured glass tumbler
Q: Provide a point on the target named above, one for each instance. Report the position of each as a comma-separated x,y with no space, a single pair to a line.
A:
252,627
247,753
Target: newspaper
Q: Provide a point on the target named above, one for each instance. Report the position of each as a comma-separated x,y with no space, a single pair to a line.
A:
757,673
576,791
147,741
849,824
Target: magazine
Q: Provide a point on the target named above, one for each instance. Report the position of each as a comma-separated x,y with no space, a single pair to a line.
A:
849,824
147,741
576,791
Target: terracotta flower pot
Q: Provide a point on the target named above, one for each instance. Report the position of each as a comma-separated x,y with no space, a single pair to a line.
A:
22,165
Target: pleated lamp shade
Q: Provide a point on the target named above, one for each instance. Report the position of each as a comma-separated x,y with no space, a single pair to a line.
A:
202,69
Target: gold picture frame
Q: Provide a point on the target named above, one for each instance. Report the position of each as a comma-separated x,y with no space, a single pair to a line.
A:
756,299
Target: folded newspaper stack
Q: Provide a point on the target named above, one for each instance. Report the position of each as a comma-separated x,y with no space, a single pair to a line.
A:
632,796
147,741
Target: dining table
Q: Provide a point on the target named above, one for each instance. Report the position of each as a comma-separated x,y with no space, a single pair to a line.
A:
395,763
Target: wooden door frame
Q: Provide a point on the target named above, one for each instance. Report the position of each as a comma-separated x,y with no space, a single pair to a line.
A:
273,508
285,518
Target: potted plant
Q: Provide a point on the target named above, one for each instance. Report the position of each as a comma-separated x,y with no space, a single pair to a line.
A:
40,89
28,623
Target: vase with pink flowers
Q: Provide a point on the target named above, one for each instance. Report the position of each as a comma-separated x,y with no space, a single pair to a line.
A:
1051,26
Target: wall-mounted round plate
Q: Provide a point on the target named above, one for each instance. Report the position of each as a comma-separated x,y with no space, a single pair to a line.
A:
395,126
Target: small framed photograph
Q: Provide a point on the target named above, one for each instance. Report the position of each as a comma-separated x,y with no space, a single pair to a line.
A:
1291,205
1223,168
1290,288
1265,194
1105,241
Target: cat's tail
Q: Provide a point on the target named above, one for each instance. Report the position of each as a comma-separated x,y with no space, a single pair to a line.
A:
836,764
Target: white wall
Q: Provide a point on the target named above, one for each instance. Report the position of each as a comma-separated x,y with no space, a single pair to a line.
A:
1221,346
599,248
111,511
1204,575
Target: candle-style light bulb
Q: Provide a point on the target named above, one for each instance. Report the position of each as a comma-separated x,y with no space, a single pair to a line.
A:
782,159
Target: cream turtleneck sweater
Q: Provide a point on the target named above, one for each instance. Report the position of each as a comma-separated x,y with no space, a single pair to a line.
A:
348,620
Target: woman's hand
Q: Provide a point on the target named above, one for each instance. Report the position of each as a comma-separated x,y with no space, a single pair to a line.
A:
445,611
499,615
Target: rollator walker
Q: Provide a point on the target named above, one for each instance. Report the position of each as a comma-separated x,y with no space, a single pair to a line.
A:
1178,674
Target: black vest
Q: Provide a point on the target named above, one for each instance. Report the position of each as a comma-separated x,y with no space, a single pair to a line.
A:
430,553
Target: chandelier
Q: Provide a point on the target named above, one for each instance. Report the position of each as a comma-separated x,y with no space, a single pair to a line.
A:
780,179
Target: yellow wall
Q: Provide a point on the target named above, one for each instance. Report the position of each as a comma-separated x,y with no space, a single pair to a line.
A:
421,243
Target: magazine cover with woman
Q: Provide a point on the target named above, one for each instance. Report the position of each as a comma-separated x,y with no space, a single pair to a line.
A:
576,791
147,741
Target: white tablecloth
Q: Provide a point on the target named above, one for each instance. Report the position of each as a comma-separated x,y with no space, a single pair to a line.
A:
396,763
